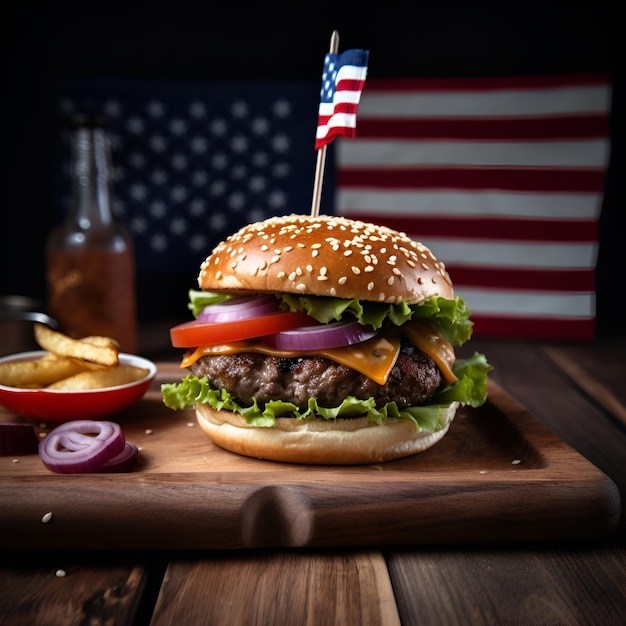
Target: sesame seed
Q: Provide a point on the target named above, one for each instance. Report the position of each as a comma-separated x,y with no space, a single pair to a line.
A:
355,270
370,286
46,517
369,268
60,573
342,280
301,287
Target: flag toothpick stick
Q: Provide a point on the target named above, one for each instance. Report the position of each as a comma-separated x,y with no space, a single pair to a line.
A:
321,152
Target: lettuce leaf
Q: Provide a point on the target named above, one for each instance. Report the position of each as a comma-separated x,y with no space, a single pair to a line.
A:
450,316
199,299
471,389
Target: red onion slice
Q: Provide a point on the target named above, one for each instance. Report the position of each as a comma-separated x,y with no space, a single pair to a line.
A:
18,439
321,336
81,446
123,461
242,308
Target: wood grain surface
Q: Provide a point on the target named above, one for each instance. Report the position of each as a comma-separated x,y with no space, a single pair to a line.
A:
66,594
560,581
498,475
303,587
551,585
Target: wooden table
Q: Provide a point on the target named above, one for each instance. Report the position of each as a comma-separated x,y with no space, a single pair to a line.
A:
575,390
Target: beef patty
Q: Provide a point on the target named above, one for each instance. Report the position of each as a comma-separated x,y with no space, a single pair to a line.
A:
413,379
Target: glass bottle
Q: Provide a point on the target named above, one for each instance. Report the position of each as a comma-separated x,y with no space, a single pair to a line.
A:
90,268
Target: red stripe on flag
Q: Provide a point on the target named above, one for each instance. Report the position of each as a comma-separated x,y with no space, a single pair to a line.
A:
550,328
570,127
553,179
341,107
500,228
350,84
516,278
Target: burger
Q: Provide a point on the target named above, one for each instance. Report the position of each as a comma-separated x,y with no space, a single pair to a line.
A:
325,340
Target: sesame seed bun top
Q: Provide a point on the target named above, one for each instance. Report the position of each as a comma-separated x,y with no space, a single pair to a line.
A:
325,256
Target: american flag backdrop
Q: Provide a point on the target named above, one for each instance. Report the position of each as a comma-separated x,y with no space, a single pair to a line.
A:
194,162
502,178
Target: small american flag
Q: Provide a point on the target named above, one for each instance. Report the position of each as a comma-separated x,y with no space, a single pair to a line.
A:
342,83
196,161
502,178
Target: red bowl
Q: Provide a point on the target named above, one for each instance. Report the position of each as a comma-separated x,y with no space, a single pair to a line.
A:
61,406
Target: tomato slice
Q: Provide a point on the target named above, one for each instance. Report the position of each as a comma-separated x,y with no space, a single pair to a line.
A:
195,333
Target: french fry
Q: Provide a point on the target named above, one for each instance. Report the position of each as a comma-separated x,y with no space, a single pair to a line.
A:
37,373
97,379
97,340
70,364
62,345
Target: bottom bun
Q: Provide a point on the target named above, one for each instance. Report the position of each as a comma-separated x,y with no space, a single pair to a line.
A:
318,441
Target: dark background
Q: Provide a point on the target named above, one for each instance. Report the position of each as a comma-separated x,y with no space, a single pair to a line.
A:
45,41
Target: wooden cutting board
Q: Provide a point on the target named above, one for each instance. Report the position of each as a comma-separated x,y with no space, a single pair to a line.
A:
498,475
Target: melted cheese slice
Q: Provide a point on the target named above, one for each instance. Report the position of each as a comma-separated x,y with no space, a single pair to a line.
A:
424,335
374,358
